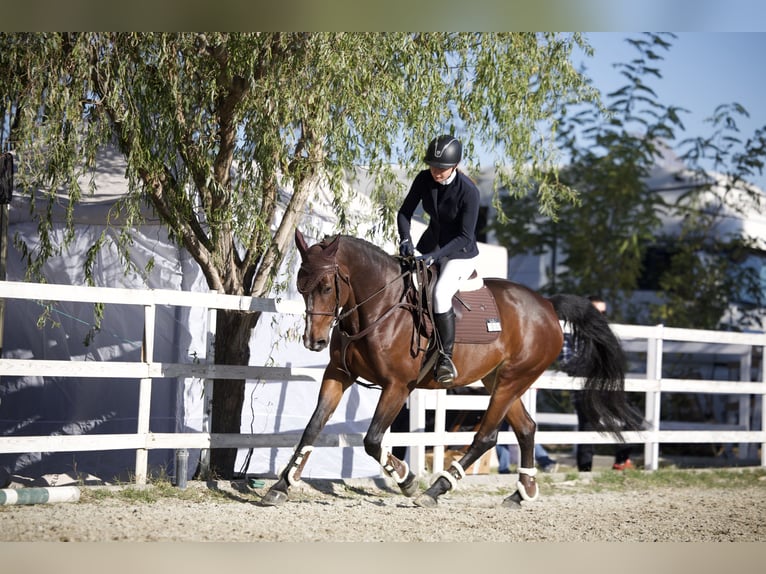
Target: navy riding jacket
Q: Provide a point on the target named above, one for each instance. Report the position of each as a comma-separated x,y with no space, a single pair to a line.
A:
453,211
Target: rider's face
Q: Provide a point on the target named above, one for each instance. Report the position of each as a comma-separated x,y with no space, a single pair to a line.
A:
441,174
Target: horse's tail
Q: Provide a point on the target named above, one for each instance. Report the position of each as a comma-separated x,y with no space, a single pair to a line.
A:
599,359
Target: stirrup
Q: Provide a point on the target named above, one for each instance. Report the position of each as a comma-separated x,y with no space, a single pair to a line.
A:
445,372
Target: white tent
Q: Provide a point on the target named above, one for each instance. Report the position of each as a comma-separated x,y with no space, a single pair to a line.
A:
51,405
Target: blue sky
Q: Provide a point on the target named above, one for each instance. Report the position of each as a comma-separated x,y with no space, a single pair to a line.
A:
700,71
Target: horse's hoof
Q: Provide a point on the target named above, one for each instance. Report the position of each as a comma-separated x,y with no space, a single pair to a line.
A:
410,486
513,501
426,501
274,498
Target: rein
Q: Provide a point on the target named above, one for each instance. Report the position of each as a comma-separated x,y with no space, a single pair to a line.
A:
347,338
315,269
335,313
377,321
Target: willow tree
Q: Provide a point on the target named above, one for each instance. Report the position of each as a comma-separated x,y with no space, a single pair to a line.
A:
214,127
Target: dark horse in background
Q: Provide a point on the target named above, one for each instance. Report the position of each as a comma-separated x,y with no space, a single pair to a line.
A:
358,301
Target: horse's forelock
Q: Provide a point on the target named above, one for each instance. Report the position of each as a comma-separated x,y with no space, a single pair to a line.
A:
318,261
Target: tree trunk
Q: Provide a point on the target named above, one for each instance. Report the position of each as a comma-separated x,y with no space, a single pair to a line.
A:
232,347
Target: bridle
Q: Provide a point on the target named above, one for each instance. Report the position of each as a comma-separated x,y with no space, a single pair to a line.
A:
315,275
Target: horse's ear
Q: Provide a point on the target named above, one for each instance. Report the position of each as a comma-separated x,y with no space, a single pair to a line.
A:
301,243
332,248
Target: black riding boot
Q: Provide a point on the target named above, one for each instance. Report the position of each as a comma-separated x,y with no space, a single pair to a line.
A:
445,368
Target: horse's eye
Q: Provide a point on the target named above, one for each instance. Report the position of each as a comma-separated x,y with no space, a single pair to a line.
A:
325,290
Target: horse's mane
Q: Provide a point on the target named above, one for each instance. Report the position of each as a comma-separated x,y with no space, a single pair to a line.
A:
365,248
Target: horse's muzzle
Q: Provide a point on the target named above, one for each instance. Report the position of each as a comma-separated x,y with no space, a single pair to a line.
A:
314,344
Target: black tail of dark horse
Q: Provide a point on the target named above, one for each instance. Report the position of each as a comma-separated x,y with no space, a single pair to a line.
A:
600,361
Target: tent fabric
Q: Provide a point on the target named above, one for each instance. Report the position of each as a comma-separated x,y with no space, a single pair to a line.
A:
42,406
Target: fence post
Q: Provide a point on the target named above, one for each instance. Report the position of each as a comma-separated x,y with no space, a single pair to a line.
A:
207,388
745,364
440,430
145,394
529,399
417,401
652,408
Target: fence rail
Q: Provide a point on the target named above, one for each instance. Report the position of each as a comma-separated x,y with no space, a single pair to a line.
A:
651,341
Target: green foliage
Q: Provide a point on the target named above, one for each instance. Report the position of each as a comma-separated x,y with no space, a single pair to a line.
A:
158,489
704,278
598,242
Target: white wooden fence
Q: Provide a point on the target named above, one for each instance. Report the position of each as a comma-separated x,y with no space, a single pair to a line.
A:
654,340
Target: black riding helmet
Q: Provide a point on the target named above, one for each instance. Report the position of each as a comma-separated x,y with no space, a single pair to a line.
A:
444,151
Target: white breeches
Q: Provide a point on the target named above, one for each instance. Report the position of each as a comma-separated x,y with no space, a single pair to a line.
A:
450,277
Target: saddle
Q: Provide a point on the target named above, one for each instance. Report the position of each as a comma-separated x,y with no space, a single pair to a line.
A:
477,320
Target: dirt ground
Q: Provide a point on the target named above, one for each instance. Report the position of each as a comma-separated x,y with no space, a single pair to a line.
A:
372,510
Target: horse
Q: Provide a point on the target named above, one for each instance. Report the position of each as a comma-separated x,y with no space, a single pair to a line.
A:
358,301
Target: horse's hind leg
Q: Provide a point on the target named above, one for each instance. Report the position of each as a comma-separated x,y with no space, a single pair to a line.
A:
446,480
503,403
484,439
330,393
524,428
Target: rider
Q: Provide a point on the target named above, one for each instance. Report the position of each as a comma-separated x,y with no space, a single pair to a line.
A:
451,200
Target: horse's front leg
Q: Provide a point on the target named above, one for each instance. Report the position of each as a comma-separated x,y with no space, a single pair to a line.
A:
390,403
330,394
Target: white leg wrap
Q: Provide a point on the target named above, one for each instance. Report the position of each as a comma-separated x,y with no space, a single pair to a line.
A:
452,480
400,479
391,471
450,476
523,492
522,489
305,451
456,465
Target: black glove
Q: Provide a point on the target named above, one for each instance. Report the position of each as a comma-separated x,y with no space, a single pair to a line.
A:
405,248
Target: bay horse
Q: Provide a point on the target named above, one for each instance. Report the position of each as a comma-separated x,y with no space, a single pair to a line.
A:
357,302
